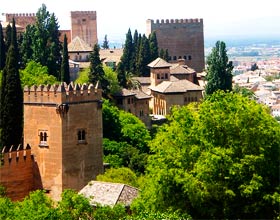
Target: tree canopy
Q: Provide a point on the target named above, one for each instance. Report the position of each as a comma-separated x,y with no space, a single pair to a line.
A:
219,70
219,159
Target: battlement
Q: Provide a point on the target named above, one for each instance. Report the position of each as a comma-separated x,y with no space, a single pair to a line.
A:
15,155
15,15
83,13
176,21
62,94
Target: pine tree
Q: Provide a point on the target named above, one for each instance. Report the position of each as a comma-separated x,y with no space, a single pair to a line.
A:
96,70
2,49
219,70
153,46
105,44
65,72
11,113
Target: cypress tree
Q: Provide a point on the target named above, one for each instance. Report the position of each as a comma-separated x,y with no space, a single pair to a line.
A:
2,49
97,73
14,41
144,57
25,48
219,70
11,101
65,73
8,37
153,46
105,44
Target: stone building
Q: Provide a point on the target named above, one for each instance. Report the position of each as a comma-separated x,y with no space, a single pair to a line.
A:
167,90
84,25
184,39
63,126
21,19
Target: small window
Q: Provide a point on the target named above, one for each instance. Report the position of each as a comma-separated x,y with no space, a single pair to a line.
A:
174,58
81,136
166,76
189,57
128,101
158,76
43,138
84,20
185,57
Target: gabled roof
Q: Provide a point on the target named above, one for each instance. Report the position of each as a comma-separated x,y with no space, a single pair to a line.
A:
159,63
78,45
181,69
106,193
124,93
139,94
133,92
179,86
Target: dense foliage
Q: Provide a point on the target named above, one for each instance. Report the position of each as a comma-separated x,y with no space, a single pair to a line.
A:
125,139
216,160
2,49
41,42
219,70
138,52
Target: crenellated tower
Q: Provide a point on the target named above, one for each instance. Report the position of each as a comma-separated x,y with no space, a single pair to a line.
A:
63,125
184,39
84,25
21,19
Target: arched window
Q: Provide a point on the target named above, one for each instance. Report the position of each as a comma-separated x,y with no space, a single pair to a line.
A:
43,138
81,136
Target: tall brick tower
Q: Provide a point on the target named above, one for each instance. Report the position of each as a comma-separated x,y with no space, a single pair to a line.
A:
22,19
63,124
183,38
84,25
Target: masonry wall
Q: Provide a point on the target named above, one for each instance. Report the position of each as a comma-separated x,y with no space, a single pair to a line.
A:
22,19
18,172
184,39
60,112
84,25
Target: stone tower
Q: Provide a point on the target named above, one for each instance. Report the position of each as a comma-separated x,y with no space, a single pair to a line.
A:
183,38
84,25
21,19
63,124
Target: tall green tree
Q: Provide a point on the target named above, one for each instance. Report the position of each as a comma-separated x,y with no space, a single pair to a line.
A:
11,101
105,44
217,160
126,62
154,51
2,49
219,70
46,46
65,72
144,57
8,37
26,50
96,70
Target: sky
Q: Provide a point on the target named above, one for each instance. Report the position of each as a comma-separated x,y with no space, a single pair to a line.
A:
221,18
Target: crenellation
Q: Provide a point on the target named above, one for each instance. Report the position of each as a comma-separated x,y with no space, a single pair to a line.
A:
62,93
176,21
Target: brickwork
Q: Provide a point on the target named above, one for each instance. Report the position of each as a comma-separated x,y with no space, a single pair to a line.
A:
84,25
184,39
22,19
17,172
64,126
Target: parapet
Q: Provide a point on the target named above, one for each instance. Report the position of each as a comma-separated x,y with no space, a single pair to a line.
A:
62,94
15,154
83,13
176,21
15,15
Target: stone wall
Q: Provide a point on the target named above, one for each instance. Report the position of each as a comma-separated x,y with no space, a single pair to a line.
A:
184,39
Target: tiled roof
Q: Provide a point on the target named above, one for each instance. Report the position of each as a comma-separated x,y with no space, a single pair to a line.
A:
179,86
159,63
181,69
78,45
143,80
111,55
139,94
105,193
124,92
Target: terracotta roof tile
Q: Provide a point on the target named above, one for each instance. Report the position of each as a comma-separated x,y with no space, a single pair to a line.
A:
77,44
179,86
159,63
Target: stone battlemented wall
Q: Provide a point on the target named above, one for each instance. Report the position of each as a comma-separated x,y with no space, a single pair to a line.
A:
184,39
22,19
18,172
84,25
61,112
